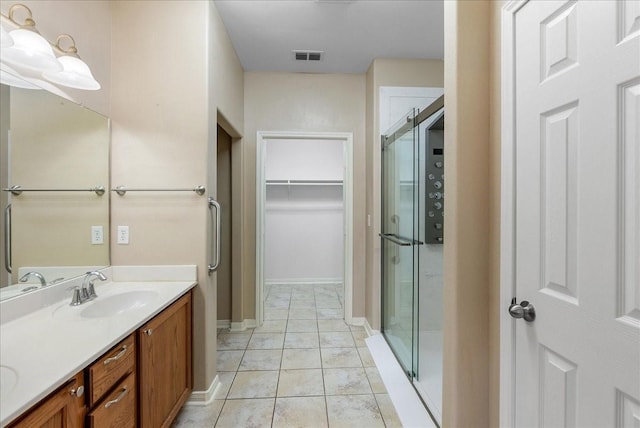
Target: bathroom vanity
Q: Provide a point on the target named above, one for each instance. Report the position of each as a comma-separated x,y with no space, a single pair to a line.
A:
120,360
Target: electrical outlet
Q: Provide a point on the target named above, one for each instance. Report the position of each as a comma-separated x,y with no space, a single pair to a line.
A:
123,234
97,235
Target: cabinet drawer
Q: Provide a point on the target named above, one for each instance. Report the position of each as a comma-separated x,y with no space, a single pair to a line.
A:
118,409
110,368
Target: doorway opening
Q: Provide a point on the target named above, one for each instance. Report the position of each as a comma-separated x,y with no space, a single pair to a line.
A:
228,195
304,218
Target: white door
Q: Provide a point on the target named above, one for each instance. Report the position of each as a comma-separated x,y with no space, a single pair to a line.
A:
577,213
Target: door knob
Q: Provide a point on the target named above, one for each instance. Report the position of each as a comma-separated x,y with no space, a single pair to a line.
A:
523,310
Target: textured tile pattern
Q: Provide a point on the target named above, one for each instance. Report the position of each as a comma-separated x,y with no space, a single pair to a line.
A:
305,367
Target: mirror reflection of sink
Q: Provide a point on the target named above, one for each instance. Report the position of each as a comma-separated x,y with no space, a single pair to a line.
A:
8,380
116,304
107,306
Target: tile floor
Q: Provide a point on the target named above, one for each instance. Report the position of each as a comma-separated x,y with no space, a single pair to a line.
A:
303,368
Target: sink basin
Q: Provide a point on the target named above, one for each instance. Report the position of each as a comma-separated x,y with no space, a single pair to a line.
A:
116,304
8,380
107,306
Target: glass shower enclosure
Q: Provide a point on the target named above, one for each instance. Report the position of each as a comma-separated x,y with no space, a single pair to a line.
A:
412,238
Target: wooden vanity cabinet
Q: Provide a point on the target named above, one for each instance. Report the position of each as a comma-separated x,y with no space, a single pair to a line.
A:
164,364
142,381
64,408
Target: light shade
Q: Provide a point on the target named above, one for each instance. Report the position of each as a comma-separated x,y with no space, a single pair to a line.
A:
11,80
5,38
75,74
30,53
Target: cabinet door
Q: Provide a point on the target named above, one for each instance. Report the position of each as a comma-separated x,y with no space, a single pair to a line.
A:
164,361
63,409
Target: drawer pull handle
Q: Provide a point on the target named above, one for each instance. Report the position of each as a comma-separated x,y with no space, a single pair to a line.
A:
116,357
148,332
116,400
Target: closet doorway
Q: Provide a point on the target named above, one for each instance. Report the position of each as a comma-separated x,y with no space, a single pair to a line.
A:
304,217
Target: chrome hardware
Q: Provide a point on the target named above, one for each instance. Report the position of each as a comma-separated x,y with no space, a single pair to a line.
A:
119,398
17,190
38,275
399,240
148,331
213,204
87,290
117,356
77,392
76,300
87,285
523,310
121,190
7,238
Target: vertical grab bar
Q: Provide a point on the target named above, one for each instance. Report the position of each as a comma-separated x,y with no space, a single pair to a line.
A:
7,238
212,203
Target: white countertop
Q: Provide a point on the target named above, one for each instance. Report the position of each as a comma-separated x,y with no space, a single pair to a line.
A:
46,347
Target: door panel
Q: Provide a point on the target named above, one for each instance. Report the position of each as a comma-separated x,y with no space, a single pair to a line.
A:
577,213
398,261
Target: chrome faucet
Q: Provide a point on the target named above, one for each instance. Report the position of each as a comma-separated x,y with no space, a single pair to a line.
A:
87,291
38,275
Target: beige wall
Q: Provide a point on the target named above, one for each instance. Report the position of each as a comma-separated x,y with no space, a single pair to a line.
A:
304,102
472,136
385,72
165,104
89,23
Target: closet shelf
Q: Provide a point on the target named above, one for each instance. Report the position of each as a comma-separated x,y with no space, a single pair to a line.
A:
304,183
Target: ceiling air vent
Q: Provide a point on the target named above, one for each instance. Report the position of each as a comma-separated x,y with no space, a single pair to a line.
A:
308,55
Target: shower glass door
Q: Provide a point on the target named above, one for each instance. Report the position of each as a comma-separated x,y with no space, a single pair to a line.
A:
399,246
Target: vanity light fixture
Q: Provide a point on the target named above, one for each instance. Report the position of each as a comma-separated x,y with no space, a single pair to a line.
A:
75,72
5,38
33,56
30,52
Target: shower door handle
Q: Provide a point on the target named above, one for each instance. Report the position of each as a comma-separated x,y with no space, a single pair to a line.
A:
213,204
7,238
396,239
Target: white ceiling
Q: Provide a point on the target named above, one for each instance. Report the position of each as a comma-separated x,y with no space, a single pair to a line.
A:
351,33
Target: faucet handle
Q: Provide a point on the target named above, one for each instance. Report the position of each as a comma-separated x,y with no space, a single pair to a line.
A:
91,291
76,300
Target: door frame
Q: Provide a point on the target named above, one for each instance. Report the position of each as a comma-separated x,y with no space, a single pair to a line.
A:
508,213
347,185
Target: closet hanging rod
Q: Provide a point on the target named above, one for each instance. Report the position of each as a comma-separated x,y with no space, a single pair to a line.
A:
121,190
304,182
17,190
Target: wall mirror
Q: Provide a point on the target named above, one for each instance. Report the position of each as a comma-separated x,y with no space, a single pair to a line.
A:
57,222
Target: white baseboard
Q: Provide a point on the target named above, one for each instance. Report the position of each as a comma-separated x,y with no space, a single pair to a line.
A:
204,398
368,329
237,326
242,325
359,321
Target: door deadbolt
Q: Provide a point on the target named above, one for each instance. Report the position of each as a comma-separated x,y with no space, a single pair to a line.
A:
523,310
